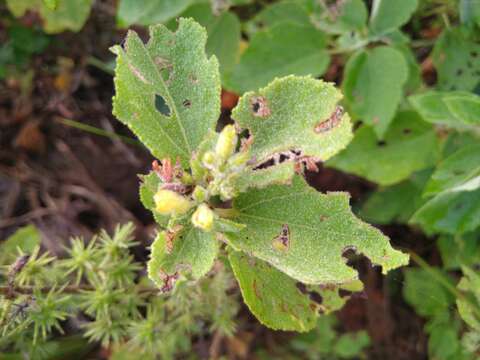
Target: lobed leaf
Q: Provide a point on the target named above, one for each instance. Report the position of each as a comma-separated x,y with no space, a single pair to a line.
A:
373,86
294,113
304,233
167,91
409,145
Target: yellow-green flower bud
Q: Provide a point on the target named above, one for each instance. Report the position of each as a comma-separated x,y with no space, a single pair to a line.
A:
203,218
187,179
199,193
226,143
209,159
168,202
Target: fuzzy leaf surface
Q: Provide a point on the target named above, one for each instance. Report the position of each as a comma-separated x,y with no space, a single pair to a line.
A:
67,15
148,188
409,145
167,91
286,48
296,106
373,86
194,252
318,229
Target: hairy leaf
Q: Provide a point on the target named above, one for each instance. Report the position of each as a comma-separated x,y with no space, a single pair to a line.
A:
388,15
278,174
409,145
298,113
194,252
148,188
167,91
66,15
304,233
373,85
286,48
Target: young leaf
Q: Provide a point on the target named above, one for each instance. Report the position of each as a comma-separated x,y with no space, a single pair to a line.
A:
148,189
68,15
456,58
167,91
272,296
409,145
304,233
294,113
194,252
283,49
149,12
388,15
373,85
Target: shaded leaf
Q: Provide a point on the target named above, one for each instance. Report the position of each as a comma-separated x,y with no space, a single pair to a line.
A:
350,15
294,113
174,67
409,145
373,86
304,233
459,250
388,15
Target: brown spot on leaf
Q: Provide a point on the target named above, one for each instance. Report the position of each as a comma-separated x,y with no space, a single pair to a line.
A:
282,242
168,280
331,122
344,293
137,73
256,291
187,103
260,106
316,297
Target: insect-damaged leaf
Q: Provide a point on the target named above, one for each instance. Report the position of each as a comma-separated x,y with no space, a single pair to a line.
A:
303,233
294,112
173,68
279,301
194,252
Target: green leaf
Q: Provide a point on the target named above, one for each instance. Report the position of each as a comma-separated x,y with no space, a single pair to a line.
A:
167,91
149,12
470,12
396,203
350,15
456,58
350,345
409,145
450,212
223,34
272,296
68,15
388,15
51,4
459,250
286,48
373,85
304,233
469,306
278,174
294,113
276,13
458,172
194,252
456,109
26,239
425,293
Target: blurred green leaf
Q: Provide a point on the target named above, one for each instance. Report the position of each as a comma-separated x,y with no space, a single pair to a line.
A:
25,238
409,145
459,250
388,15
373,86
350,15
284,49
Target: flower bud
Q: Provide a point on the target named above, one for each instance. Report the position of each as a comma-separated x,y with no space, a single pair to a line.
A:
226,143
168,202
203,217
208,159
199,193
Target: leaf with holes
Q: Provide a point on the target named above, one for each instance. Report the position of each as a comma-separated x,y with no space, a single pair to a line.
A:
167,91
284,49
304,233
373,86
58,16
456,57
194,253
409,145
294,113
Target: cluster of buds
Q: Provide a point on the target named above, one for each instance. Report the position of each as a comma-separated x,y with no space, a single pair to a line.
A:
224,164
